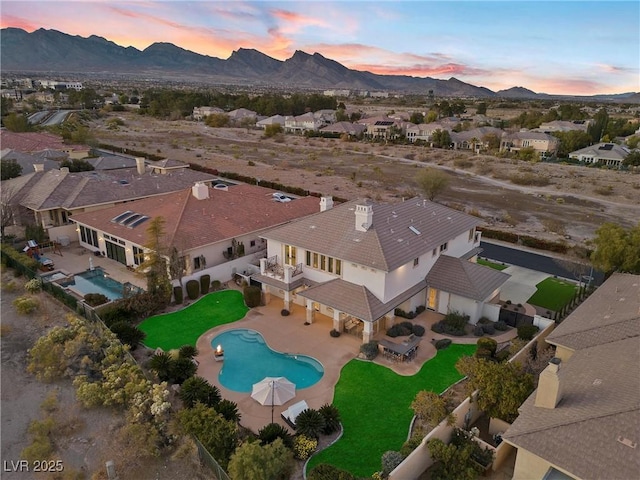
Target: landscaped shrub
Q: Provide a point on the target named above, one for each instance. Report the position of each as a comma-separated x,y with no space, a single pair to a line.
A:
229,410
310,422
483,353
438,327
369,349
334,333
410,445
193,289
303,447
205,280
331,418
187,351
489,344
33,286
502,355
216,285
484,321
400,329
420,309
252,296
26,305
478,331
324,471
442,343
527,332
488,328
390,460
181,369
269,433
177,294
128,334
95,299
284,312
418,330
456,321
198,389
501,326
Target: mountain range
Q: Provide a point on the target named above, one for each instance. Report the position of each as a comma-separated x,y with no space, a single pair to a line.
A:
53,51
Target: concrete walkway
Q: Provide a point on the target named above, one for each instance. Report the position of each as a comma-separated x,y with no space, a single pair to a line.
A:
521,285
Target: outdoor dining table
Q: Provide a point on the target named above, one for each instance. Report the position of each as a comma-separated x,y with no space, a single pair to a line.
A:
402,351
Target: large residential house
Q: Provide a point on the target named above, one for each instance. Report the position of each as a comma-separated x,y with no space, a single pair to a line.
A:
563,126
302,123
214,231
33,142
382,127
359,261
474,139
583,421
544,144
51,198
274,119
346,128
29,163
609,154
199,113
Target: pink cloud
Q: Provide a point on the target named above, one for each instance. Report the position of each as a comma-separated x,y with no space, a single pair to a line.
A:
296,20
7,21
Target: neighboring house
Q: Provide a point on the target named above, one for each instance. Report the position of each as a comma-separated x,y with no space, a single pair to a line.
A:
51,198
302,123
563,126
542,143
213,231
424,131
30,142
110,160
346,128
199,113
474,139
609,154
583,420
240,114
273,120
325,116
29,163
385,128
359,261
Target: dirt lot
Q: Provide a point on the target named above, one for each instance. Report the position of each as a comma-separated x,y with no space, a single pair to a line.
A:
572,205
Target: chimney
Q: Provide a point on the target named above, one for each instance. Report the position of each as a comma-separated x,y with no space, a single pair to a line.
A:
549,391
64,169
326,203
38,167
140,165
364,217
200,191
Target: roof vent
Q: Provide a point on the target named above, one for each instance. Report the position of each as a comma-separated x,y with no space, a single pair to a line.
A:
414,230
627,442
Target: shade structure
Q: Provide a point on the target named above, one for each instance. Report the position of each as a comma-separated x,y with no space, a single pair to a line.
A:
273,391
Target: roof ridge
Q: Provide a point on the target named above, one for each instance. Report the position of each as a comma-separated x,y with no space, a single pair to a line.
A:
75,192
596,327
180,215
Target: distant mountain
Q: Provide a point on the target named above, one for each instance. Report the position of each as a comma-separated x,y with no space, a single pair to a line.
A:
53,51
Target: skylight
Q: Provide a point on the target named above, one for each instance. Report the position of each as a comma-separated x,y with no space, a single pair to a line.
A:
121,216
414,230
137,222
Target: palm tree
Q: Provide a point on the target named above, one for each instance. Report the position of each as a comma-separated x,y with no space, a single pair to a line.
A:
229,410
269,433
161,364
188,351
331,418
197,389
310,422
474,143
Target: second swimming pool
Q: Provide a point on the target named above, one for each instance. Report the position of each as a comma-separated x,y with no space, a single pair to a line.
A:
248,359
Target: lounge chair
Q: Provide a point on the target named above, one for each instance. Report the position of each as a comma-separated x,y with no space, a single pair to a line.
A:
291,413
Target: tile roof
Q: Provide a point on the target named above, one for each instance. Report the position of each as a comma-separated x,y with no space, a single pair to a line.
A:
192,223
465,278
602,150
35,141
59,189
389,243
344,127
356,300
611,313
27,161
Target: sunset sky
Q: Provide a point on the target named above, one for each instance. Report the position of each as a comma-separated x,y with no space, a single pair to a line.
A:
559,47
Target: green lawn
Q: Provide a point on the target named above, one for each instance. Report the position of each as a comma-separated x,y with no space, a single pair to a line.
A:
553,294
374,404
173,330
487,263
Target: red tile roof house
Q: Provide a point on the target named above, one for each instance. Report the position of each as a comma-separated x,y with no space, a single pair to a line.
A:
51,198
29,142
205,226
359,261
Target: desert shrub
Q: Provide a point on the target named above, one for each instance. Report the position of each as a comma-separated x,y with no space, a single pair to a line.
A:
411,444
390,460
334,333
33,286
324,471
483,353
418,330
501,326
41,447
193,289
205,280
252,296
502,355
95,299
488,328
331,418
484,321
527,332
310,422
420,309
478,331
303,446
115,312
269,433
456,320
442,343
284,312
400,329
369,349
229,410
489,344
10,286
178,294
128,334
216,285
26,305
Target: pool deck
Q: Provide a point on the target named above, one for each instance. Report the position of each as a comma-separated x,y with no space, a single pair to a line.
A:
291,335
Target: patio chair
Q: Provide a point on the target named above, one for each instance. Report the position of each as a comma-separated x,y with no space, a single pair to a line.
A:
291,413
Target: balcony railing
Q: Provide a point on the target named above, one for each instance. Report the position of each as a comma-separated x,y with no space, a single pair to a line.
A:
297,270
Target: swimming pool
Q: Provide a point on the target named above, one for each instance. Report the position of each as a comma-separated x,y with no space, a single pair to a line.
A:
96,281
248,359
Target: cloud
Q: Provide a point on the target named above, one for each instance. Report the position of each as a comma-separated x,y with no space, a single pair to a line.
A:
615,68
7,21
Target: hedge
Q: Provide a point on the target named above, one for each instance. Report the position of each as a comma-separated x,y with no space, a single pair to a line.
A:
178,294
252,296
193,289
205,281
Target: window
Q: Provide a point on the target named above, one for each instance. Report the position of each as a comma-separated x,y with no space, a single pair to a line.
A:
289,255
435,252
138,255
444,246
316,257
89,236
252,243
324,263
471,234
416,261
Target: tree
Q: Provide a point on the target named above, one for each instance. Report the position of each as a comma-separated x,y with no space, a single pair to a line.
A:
432,182
631,160
217,120
10,169
417,117
481,109
451,461
161,364
155,264
199,390
272,130
271,432
310,422
492,140
128,334
16,122
502,387
597,128
7,194
253,461
77,165
616,249
441,138
430,407
528,154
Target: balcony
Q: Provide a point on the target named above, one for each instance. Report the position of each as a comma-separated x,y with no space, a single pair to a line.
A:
285,273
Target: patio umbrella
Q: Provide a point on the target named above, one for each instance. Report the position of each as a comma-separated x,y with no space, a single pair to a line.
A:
273,391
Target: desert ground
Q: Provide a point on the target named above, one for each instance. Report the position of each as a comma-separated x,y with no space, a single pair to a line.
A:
575,201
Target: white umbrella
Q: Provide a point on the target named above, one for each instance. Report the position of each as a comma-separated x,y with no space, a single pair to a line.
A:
273,391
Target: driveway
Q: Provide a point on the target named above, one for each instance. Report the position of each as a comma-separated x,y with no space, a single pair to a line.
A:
521,285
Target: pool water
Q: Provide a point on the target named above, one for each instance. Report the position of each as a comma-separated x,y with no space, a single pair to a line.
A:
96,281
248,359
